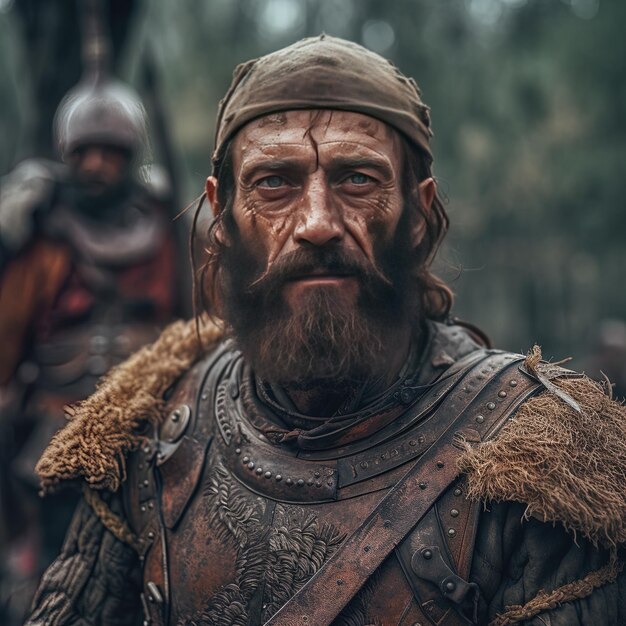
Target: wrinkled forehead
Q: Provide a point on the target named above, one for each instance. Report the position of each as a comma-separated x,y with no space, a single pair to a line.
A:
312,129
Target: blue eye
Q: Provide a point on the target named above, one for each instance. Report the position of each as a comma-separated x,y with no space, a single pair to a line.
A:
272,182
359,179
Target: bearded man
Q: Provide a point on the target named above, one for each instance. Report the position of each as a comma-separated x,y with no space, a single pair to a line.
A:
342,453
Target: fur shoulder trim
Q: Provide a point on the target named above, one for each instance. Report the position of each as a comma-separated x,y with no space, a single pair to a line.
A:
103,428
566,466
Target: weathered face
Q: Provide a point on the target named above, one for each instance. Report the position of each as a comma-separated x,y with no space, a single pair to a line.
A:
315,272
310,180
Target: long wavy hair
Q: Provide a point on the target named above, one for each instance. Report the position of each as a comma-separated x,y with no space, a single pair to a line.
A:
436,297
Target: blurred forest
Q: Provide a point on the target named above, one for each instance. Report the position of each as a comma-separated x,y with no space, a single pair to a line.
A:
528,104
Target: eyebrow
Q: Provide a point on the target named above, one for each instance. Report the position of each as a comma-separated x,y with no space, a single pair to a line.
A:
336,163
345,162
272,165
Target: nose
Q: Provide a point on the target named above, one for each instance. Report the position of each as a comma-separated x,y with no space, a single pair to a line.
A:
92,159
320,222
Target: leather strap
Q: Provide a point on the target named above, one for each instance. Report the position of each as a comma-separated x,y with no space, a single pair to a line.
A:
341,577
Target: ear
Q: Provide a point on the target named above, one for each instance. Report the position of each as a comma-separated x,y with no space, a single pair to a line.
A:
427,190
211,194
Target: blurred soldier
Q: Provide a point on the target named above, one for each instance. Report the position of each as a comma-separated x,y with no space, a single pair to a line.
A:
87,275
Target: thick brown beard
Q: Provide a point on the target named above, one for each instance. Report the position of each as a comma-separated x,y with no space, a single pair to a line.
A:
320,343
326,341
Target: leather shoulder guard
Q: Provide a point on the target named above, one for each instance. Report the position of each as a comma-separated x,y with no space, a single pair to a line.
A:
563,455
174,450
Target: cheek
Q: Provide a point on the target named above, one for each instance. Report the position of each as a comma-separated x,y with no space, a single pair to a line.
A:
265,234
374,220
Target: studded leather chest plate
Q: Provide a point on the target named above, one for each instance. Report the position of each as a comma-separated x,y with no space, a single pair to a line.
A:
234,525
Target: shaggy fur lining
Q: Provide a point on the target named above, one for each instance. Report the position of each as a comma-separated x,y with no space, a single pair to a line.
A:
566,466
103,428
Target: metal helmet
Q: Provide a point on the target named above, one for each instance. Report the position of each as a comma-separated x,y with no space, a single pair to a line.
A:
102,112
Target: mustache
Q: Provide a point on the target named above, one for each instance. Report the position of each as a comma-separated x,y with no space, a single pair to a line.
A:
305,262
87,181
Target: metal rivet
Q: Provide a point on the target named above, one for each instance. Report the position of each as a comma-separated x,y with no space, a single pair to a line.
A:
451,532
423,485
228,433
420,439
491,405
480,419
140,485
340,582
454,513
289,481
502,393
310,481
406,395
387,523
175,415
154,593
279,477
427,554
412,442
150,504
457,491
245,459
513,383
268,474
251,465
300,483
147,449
363,464
259,470
317,474
204,396
143,508
150,535
366,549
450,586
234,391
237,450
440,464
140,466
146,483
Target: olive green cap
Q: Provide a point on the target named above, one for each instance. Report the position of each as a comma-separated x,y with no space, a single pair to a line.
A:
323,73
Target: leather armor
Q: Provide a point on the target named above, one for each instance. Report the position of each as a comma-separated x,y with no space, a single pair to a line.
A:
235,520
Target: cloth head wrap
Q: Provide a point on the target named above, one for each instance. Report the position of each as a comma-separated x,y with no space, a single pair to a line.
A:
322,73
